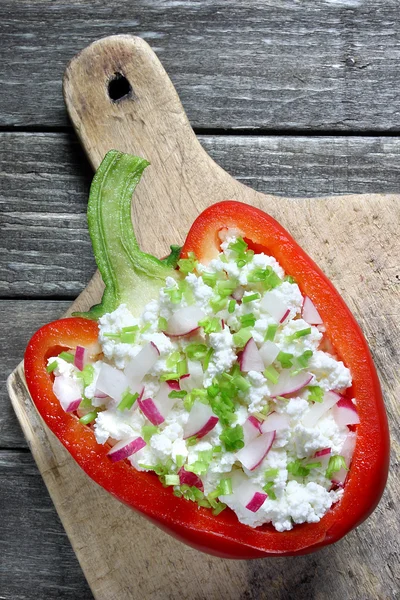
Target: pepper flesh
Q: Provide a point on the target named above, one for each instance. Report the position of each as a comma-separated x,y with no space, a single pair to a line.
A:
223,535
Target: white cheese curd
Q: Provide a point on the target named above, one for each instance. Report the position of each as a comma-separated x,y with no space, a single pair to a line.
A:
195,424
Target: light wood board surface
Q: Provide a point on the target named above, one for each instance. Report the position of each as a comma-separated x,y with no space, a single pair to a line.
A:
353,238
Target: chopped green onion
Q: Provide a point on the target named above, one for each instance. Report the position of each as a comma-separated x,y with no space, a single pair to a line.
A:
271,374
289,278
130,328
128,400
251,298
198,467
162,324
175,295
67,356
316,393
239,245
207,358
180,460
172,480
182,367
169,376
336,463
213,391
271,473
315,465
86,419
232,438
285,358
299,334
86,375
270,333
225,486
217,303
268,489
148,431
231,306
226,287
86,403
223,258
241,383
173,360
177,394
272,280
241,263
53,365
248,320
218,509
145,328
196,351
128,337
211,324
112,336
217,449
209,279
304,358
297,469
241,337
188,265
192,441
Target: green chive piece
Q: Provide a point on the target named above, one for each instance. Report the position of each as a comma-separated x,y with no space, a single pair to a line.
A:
289,278
177,394
271,374
227,287
182,367
112,336
86,375
207,358
162,324
145,328
304,358
192,441
127,401
241,337
232,438
130,329
248,320
315,465
188,265
285,358
225,486
128,337
271,473
217,449
218,303
172,479
52,366
231,306
336,463
180,460
268,489
299,334
251,298
86,419
209,279
169,376
173,360
218,509
196,351
211,325
271,332
148,431
67,356
316,393
239,245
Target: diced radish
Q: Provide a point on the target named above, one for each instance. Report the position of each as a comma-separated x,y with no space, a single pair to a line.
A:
174,383
150,411
289,383
201,421
81,357
318,409
274,422
67,392
188,478
347,452
310,313
100,395
238,293
275,306
126,448
193,379
142,363
345,412
112,381
322,456
250,359
162,400
257,501
252,455
251,429
249,495
269,351
184,321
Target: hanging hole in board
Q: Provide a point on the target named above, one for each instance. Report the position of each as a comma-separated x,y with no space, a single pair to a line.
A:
119,88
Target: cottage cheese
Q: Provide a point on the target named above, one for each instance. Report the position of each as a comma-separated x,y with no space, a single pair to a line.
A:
291,499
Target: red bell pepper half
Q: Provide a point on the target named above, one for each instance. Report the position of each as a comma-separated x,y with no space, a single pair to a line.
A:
223,535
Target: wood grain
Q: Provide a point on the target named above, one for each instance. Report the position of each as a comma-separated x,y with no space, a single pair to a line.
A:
314,64
45,249
187,180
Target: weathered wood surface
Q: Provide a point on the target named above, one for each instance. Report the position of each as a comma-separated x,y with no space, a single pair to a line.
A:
348,570
320,64
45,249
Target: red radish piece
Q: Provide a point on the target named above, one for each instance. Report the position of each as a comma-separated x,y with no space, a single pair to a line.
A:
252,455
250,359
347,452
238,293
274,422
141,364
67,393
174,384
274,305
310,313
162,401
100,395
257,501
80,358
268,352
201,421
112,381
322,456
251,429
289,384
193,379
126,448
184,321
345,413
188,478
318,409
150,411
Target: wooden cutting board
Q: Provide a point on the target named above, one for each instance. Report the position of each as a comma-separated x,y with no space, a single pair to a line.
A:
353,238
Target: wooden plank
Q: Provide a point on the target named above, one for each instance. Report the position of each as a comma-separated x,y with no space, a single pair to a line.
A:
314,64
18,321
38,562
44,181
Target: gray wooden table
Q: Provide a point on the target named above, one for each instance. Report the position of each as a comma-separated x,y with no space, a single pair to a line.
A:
294,98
